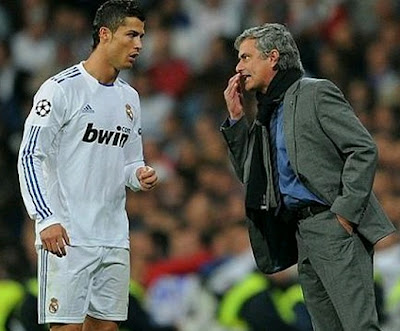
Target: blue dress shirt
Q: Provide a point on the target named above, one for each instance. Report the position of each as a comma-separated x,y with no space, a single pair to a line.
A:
294,193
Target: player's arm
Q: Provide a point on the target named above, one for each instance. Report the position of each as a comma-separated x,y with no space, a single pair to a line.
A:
41,128
138,176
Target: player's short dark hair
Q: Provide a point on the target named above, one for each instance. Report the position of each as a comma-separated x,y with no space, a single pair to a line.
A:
112,14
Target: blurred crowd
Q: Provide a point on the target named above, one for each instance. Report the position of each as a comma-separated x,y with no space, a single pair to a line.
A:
192,266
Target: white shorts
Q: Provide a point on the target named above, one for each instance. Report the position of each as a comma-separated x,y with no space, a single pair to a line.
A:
90,281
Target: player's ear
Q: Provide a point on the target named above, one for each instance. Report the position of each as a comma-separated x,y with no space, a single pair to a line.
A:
104,34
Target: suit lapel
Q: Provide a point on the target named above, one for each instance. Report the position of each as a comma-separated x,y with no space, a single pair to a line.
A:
289,112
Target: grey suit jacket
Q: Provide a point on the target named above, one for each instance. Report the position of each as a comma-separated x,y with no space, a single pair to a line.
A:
330,151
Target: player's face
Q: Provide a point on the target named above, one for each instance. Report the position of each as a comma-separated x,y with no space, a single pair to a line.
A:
255,69
126,43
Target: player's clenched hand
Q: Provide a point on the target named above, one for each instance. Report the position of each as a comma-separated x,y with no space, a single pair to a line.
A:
147,177
54,238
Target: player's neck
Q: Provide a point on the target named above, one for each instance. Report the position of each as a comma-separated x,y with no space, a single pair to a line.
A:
98,67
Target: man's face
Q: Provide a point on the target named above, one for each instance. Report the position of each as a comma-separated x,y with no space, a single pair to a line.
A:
255,69
124,45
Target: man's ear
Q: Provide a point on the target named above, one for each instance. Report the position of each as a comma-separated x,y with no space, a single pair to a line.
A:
274,56
104,34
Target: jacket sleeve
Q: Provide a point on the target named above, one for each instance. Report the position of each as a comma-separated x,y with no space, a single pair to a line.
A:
237,137
42,125
355,145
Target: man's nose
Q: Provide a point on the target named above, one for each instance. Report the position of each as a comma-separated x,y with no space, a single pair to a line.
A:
239,67
138,44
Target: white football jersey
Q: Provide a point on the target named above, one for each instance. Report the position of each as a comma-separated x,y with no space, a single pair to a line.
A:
81,146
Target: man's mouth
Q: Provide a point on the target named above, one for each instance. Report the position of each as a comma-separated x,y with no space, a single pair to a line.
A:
245,78
133,56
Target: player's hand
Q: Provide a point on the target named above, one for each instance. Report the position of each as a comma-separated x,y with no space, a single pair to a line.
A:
234,97
54,239
346,224
147,178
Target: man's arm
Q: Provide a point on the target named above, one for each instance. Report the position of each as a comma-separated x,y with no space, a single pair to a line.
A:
138,176
235,128
236,137
356,146
41,127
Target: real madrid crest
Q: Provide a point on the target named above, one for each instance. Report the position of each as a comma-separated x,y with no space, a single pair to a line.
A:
129,111
53,306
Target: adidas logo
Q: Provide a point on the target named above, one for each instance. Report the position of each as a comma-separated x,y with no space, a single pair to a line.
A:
87,109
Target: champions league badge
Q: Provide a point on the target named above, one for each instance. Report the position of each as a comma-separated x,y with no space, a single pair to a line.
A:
129,111
43,107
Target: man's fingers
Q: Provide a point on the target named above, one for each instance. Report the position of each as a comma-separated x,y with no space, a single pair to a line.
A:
66,238
53,248
150,182
232,90
345,223
233,96
56,247
147,177
61,247
150,179
45,246
232,85
233,79
147,174
54,238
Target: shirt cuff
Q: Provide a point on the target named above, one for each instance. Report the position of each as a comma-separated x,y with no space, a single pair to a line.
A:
232,121
134,183
45,223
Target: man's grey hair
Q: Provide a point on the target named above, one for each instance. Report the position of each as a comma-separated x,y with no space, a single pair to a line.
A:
274,36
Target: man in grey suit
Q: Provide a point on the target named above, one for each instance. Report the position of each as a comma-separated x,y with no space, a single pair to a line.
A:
308,166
